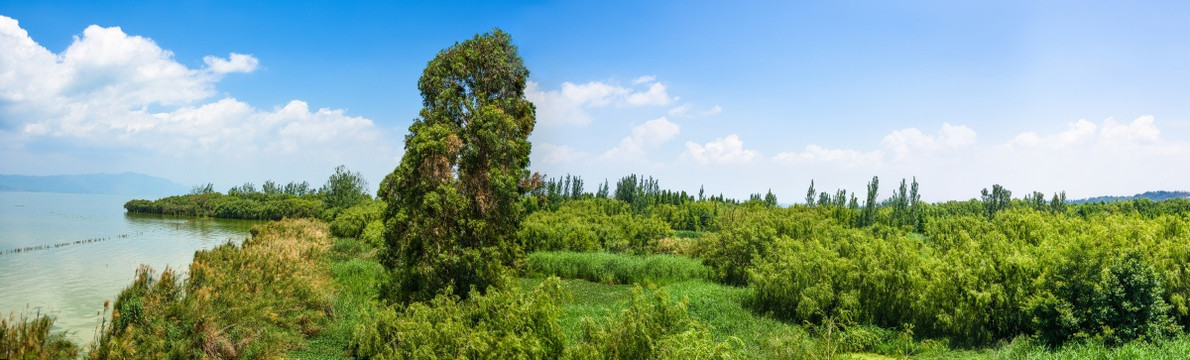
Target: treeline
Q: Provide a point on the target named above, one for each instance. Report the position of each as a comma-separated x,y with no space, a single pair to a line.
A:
1151,195
271,201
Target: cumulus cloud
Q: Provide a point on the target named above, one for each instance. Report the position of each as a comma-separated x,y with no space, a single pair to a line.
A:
109,89
1139,137
644,136
546,153
643,79
726,150
844,157
687,111
1137,133
656,95
907,141
1076,133
570,104
235,63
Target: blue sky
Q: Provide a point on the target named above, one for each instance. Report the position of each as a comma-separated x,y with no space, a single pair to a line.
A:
741,97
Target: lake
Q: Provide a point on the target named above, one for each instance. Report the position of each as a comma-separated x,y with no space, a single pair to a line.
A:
84,249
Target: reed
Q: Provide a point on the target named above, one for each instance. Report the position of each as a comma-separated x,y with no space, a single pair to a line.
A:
33,337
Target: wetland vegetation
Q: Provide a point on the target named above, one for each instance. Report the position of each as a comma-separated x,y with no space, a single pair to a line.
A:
466,254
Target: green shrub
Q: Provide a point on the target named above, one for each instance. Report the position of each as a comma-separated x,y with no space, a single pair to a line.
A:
616,268
1087,297
351,223
502,324
374,234
751,234
251,206
591,225
652,327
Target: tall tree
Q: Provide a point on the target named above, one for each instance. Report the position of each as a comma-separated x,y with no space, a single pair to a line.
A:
915,210
452,213
810,194
1058,203
344,189
998,199
868,217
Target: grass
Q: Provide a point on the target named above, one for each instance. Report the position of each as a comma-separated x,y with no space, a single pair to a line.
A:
611,268
357,275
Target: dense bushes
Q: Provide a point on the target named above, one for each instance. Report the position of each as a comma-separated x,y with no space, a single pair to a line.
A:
652,327
750,233
616,268
502,324
352,222
591,225
1113,300
253,206
967,278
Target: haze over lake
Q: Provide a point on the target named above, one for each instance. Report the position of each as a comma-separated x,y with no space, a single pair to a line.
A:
71,281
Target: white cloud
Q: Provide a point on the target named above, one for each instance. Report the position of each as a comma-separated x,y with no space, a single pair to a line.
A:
1076,133
656,95
1137,133
727,150
846,158
1138,138
648,135
97,94
949,137
235,63
546,153
570,104
643,79
685,111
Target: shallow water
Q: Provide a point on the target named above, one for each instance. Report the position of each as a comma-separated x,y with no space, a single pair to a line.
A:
83,249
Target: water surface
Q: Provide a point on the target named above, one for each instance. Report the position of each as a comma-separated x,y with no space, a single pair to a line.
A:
86,249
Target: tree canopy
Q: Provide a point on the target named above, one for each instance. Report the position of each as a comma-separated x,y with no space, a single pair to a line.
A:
452,202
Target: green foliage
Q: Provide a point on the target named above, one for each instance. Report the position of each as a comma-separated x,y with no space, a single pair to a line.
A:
34,338
453,202
233,304
998,199
250,206
1087,297
344,189
868,216
750,235
1024,347
651,327
965,278
616,268
351,223
373,234
501,324
591,225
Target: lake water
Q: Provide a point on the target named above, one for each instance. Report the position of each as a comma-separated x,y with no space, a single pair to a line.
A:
87,249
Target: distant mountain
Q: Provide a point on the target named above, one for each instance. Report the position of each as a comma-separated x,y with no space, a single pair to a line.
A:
125,184
1151,195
